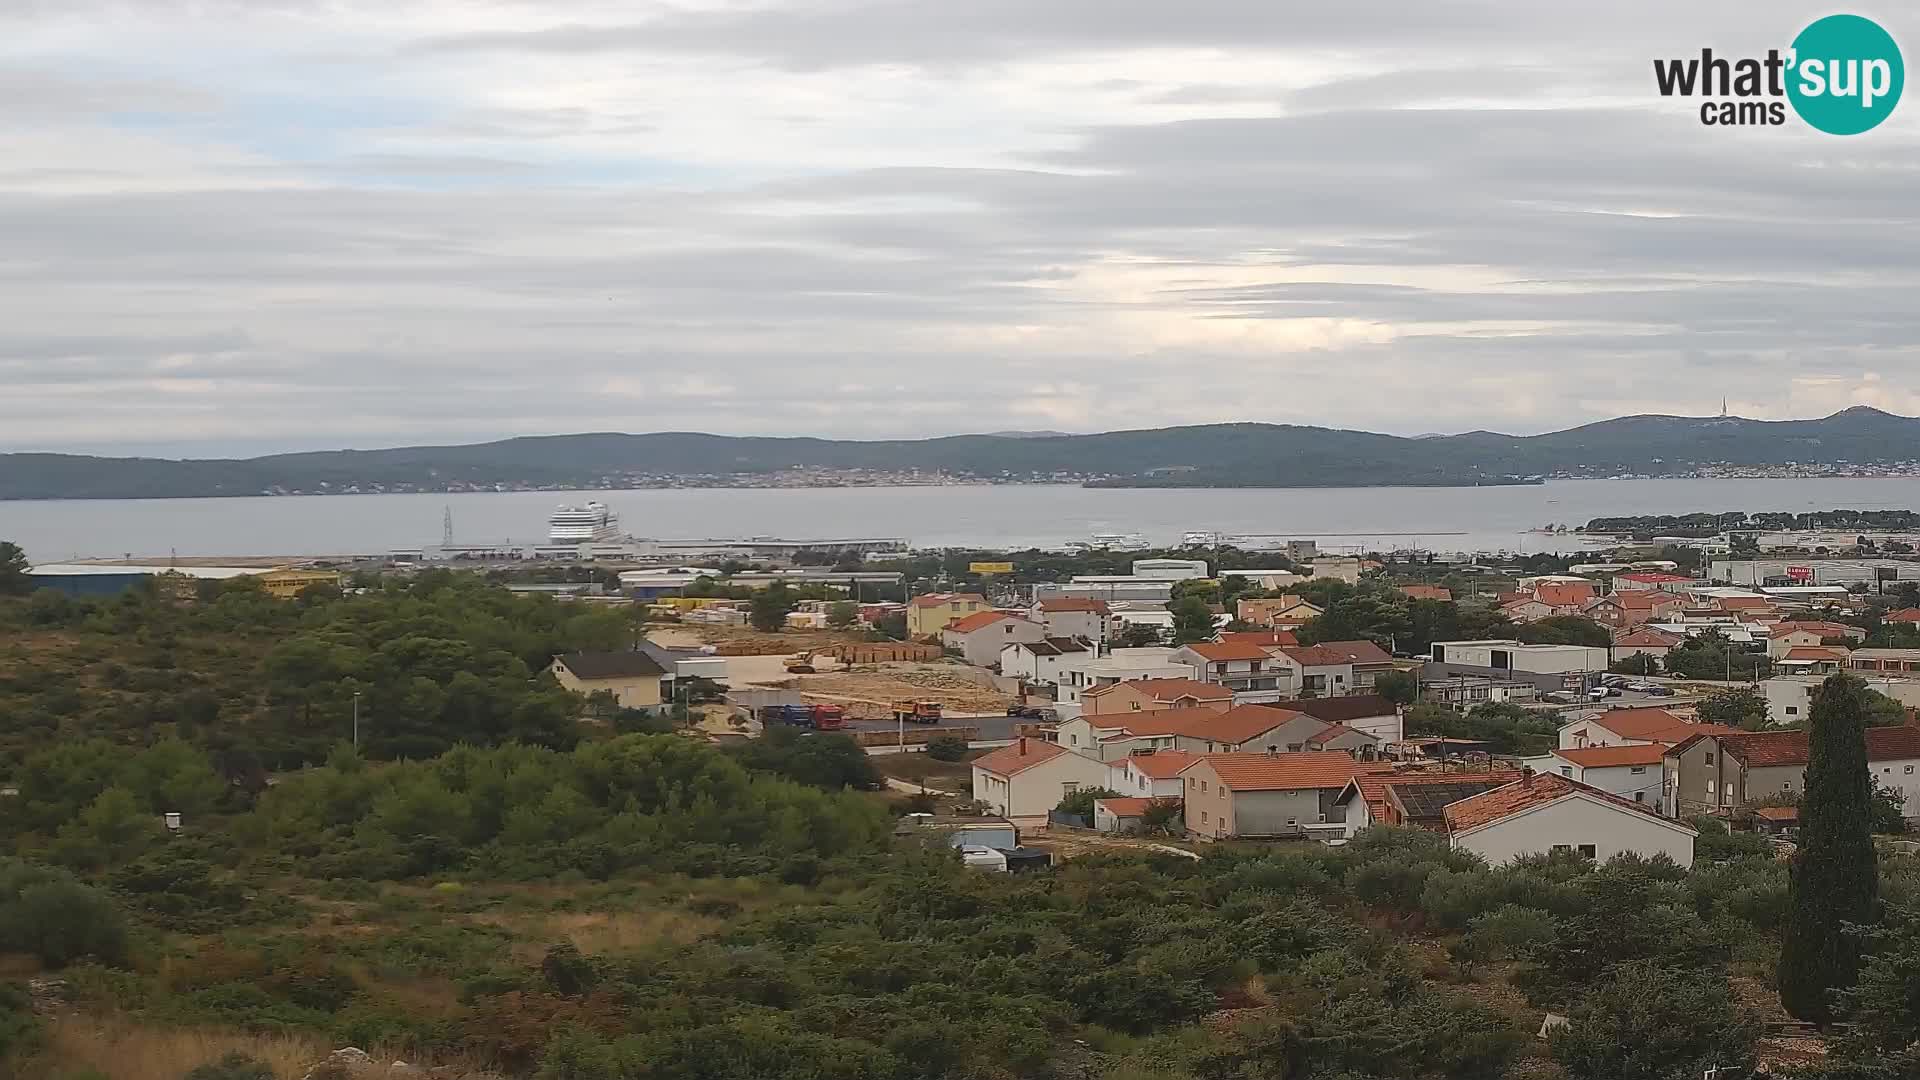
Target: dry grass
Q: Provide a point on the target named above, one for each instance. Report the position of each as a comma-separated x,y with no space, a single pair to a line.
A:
601,932
125,1050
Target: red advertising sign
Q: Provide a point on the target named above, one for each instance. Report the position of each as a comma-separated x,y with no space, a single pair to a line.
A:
1800,573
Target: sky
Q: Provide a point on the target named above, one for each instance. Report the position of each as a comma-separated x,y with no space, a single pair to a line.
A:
241,226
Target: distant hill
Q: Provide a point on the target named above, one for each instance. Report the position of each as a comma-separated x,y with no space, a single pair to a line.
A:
1211,455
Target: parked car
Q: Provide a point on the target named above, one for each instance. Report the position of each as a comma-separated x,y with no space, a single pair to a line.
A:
1614,680
1660,691
1559,697
1598,693
1643,687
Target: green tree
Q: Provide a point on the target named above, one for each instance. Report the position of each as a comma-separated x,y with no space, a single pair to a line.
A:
1399,687
13,570
1565,630
49,914
843,614
1636,664
947,748
1368,613
769,608
1834,879
1883,1006
1654,1022
1192,620
1743,708
1082,800
1137,636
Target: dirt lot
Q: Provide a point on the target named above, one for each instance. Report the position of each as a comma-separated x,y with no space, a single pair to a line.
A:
739,640
877,686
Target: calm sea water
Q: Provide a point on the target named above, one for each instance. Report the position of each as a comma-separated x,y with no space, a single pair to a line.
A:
1438,519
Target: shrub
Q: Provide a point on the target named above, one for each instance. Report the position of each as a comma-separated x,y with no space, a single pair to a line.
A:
49,914
1650,1022
947,748
233,1066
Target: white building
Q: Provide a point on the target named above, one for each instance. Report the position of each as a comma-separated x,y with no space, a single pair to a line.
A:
1515,656
1547,812
1337,568
1633,771
1075,617
1152,774
1170,569
979,637
1057,662
1030,777
1790,696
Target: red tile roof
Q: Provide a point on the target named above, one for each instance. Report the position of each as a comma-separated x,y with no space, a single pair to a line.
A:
1601,757
1316,655
1374,786
1239,724
1744,603
1074,603
1816,653
1022,755
1426,592
1218,652
1647,636
1650,578
1777,813
1359,652
1535,790
1569,594
1654,725
1645,598
1161,722
1904,615
967,624
1166,689
1280,772
1125,807
1329,733
1162,764
1763,748
1821,629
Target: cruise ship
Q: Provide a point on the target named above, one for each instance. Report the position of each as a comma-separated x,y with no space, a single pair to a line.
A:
583,524
1111,542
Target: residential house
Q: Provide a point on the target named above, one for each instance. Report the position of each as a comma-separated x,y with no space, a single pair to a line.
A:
1634,771
1030,777
1885,661
1794,634
1369,713
1262,795
1250,671
1812,660
979,637
1547,812
1319,670
1412,799
1122,815
1265,728
1631,726
1111,737
928,615
1148,695
1365,658
1266,639
1075,617
1752,608
633,678
1789,697
1644,641
1565,597
1338,568
1526,610
1715,772
1651,579
1633,607
1909,616
1277,612
1060,663
1427,592
1150,774
1133,665
1268,580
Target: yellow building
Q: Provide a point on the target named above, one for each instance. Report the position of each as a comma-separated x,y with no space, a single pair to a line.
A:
928,615
287,583
633,678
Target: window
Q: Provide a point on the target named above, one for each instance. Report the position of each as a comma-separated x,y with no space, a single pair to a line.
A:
1203,817
1908,770
1709,787
1562,847
1639,796
1069,787
1587,851
1793,710
1073,740
1203,787
1566,770
1709,757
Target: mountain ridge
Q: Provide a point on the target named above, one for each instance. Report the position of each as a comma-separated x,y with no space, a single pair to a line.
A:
1242,454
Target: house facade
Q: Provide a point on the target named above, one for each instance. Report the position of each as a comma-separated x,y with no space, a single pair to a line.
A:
1412,799
979,637
1547,812
1246,670
1030,777
1149,774
1633,771
929,614
1060,663
1149,695
1227,796
633,678
1088,619
1718,773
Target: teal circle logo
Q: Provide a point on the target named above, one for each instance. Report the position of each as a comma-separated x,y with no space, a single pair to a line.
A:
1846,75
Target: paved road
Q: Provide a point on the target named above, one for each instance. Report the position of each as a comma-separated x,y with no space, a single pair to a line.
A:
994,727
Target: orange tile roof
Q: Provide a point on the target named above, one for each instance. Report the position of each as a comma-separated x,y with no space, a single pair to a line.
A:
1535,790
1822,629
1647,635
1904,615
1815,652
1601,757
1569,594
1645,598
1238,724
1125,807
1218,652
1777,813
1022,755
1166,689
1373,786
1744,603
1650,578
1654,725
1280,772
1160,722
1330,733
1426,592
1316,656
1163,764
1260,637
1074,603
979,620
1359,652
1900,742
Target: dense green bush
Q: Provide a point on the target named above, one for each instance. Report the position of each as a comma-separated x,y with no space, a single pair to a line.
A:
48,914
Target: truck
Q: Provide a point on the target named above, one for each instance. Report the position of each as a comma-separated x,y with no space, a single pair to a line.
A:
817,717
917,712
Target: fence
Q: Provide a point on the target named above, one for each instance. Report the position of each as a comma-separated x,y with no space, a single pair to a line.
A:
915,736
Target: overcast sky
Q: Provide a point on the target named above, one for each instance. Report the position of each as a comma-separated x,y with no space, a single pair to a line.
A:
237,226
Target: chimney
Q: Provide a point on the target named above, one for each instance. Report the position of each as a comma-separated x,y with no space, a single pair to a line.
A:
1023,746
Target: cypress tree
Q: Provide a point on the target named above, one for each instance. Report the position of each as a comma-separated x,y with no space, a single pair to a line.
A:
1834,880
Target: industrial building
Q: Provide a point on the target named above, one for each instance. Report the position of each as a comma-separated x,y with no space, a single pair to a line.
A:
1757,573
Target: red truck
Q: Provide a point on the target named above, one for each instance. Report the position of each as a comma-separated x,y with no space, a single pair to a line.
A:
917,712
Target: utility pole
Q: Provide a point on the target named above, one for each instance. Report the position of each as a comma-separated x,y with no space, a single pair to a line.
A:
356,720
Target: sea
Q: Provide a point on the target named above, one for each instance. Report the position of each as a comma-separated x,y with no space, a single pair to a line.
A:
1444,520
